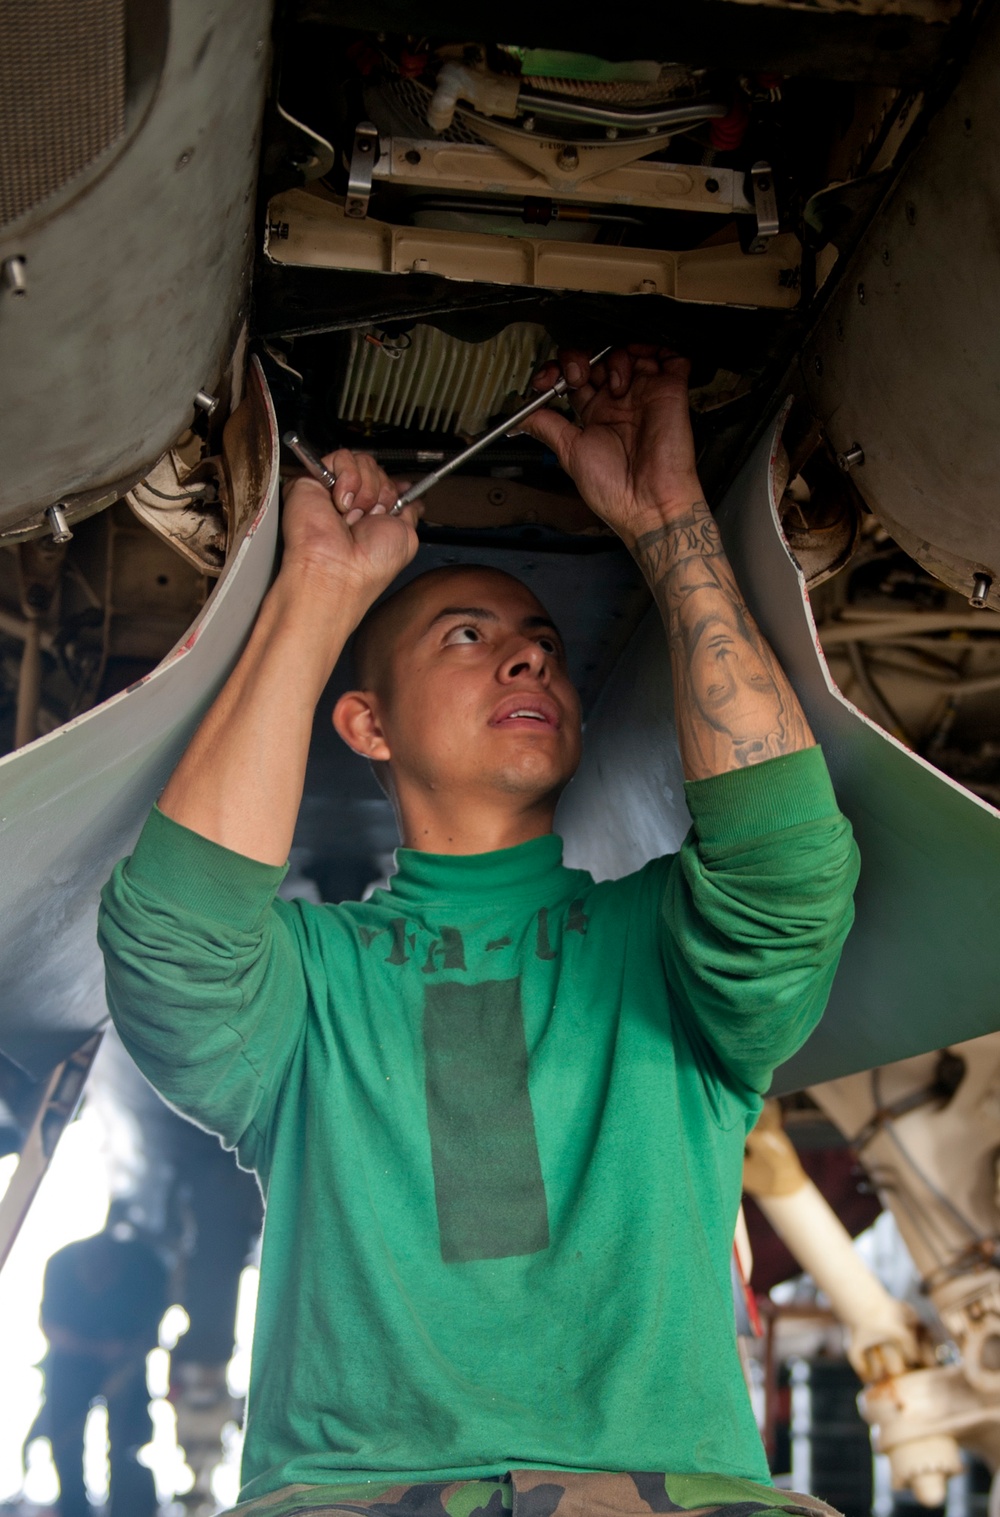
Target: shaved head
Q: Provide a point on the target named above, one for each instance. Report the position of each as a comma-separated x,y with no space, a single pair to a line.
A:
381,629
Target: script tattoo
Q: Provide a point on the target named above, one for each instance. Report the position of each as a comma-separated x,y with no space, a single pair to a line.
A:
734,704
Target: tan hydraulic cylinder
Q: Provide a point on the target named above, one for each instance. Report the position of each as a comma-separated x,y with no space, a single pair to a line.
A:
882,1337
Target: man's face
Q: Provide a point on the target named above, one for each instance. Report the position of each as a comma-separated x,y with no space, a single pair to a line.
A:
725,670
479,699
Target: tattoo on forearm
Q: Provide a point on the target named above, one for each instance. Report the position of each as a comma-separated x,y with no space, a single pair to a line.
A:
734,703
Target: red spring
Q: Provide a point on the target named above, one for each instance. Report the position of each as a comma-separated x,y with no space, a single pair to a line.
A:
726,132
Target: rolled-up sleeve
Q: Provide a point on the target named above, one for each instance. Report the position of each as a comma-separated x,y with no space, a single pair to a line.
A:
205,980
756,908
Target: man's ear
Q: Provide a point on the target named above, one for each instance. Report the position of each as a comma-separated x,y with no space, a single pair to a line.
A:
356,720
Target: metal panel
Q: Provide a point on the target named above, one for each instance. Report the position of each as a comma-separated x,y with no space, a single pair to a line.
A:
439,383
309,229
62,94
135,286
73,802
922,964
905,361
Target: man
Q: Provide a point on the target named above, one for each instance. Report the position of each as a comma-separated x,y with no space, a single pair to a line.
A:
497,1111
101,1308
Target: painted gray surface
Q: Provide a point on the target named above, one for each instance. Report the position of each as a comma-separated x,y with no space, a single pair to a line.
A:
136,284
73,802
921,968
909,364
626,804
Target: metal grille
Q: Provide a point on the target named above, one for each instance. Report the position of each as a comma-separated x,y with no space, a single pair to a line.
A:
618,91
411,99
62,93
439,383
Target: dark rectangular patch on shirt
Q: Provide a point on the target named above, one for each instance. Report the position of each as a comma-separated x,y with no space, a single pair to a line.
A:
487,1173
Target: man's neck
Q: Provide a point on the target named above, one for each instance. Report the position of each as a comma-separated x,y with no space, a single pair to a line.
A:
435,825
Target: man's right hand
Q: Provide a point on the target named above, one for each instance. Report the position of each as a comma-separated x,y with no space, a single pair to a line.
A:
346,537
240,782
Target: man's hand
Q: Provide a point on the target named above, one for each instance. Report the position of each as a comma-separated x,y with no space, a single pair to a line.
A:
240,782
632,457
346,538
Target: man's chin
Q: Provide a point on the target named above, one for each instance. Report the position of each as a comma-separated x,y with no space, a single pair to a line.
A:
529,782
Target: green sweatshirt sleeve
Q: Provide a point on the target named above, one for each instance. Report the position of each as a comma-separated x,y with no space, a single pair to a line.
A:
756,908
205,981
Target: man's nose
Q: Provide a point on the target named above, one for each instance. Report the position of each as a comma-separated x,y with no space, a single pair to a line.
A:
529,658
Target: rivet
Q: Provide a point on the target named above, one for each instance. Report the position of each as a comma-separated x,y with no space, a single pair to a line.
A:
59,526
982,584
14,276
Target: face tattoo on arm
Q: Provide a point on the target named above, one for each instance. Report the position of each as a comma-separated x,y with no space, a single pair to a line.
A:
735,706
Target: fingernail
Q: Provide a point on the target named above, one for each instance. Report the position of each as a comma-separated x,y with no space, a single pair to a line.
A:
348,498
615,381
353,516
377,510
574,374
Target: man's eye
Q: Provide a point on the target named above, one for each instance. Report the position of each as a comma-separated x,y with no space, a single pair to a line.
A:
549,645
462,635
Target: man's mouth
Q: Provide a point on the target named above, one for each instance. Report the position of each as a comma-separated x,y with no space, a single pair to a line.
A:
530,712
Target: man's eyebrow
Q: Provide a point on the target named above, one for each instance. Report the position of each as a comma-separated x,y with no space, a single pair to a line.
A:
542,621
481,613
478,612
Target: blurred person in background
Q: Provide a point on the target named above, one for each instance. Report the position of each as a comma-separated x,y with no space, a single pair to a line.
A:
101,1308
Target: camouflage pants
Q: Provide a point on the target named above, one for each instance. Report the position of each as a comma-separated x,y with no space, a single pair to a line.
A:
539,1493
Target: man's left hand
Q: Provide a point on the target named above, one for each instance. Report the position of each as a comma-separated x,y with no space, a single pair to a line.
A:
632,454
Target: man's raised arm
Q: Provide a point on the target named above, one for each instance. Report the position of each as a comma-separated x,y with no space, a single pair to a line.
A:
240,782
758,901
633,461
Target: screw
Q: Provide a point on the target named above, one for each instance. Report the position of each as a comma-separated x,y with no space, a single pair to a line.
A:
60,528
982,584
712,186
818,364
764,183
411,155
184,159
528,124
839,330
420,266
496,497
13,275
611,132
206,402
886,257
647,287
569,158
861,294
854,456
911,213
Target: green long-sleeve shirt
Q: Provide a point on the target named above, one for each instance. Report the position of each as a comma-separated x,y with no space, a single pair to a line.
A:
498,1115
